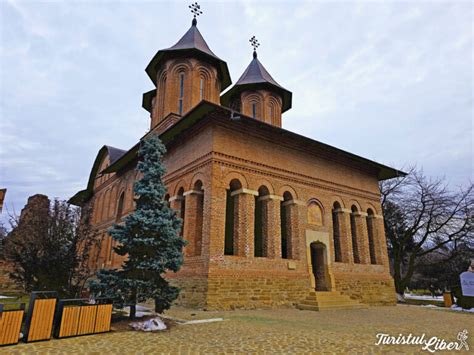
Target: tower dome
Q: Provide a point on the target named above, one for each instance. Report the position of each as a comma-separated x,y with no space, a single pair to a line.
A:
257,94
184,74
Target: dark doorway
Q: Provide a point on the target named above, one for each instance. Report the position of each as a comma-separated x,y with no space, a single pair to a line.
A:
319,263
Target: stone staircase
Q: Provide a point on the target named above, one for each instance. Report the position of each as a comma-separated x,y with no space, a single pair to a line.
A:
328,300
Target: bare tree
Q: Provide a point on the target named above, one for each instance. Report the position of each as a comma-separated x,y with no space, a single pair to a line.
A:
423,215
49,246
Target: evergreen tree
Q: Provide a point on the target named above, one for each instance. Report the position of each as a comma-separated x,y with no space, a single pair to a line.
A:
150,239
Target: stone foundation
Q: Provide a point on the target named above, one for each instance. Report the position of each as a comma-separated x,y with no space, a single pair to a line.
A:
368,289
232,292
193,291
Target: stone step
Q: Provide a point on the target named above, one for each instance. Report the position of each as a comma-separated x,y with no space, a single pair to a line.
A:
322,300
333,300
307,307
329,303
334,297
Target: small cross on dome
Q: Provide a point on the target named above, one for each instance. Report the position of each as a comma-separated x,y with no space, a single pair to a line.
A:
196,10
254,43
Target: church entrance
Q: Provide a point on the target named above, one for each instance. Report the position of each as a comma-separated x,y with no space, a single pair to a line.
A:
319,266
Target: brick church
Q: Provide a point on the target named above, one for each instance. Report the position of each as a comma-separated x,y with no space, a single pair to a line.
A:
271,217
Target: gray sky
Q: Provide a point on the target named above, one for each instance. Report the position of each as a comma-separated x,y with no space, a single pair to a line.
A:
391,81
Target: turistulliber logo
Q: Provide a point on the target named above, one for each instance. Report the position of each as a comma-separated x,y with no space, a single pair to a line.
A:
431,344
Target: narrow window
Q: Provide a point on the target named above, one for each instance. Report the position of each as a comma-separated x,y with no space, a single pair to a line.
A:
182,208
370,233
286,229
229,235
254,110
181,92
201,89
229,225
336,232
355,248
260,226
199,218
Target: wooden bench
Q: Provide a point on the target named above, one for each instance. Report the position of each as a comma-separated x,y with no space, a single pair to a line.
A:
10,322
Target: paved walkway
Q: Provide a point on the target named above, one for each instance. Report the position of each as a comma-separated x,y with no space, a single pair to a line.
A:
273,331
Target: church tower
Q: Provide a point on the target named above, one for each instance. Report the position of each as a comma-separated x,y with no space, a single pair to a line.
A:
257,94
184,74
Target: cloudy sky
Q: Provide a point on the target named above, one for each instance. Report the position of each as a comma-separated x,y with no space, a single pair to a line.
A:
391,81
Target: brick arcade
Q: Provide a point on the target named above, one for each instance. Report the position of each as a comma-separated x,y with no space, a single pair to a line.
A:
270,216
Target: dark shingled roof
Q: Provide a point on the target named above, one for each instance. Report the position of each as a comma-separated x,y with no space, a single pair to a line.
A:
191,43
256,73
114,153
257,77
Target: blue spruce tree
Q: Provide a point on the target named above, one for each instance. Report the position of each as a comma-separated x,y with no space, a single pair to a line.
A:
150,239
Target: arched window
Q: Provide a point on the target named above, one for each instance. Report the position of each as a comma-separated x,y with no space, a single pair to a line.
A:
254,109
336,232
182,208
230,217
355,244
199,217
286,230
260,226
201,88
370,233
120,203
161,96
181,93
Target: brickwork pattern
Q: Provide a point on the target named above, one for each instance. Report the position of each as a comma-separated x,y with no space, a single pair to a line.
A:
216,155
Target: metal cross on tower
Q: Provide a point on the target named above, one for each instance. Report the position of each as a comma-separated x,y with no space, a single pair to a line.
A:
254,43
195,9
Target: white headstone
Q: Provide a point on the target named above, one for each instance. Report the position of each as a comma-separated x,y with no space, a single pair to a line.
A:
467,283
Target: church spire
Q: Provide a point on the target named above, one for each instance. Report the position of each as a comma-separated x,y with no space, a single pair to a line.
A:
257,94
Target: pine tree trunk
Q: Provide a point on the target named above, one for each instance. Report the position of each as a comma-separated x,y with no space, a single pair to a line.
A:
133,311
133,305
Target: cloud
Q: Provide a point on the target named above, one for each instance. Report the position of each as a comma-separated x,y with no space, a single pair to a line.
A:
391,81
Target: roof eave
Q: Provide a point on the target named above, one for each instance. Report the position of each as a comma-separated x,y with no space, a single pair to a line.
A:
224,74
286,95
